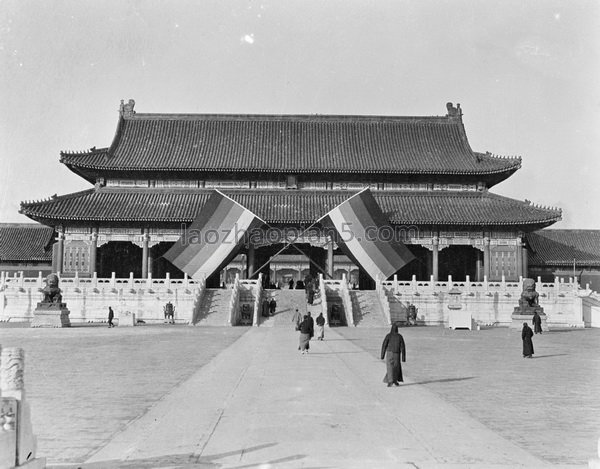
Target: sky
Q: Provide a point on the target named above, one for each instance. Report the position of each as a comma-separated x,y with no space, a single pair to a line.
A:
526,73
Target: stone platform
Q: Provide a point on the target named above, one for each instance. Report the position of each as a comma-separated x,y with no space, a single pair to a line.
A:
51,315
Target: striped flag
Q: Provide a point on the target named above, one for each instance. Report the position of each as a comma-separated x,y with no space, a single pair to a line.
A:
364,234
214,238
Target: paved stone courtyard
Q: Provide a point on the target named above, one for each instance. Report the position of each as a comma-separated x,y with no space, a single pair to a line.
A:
88,383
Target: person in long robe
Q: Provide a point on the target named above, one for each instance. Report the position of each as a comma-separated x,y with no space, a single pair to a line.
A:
393,350
526,335
320,327
312,325
297,319
306,332
537,323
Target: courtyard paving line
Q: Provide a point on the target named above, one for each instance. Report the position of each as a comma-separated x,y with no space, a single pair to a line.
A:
259,403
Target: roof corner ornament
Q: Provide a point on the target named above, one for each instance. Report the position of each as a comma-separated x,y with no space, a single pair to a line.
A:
126,110
453,111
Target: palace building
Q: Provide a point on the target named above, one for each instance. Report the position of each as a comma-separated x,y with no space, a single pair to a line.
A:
290,170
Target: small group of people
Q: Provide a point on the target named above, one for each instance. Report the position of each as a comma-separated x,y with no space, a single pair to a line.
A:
269,307
306,326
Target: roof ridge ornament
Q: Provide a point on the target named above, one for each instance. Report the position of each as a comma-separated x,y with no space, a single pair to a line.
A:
454,111
126,110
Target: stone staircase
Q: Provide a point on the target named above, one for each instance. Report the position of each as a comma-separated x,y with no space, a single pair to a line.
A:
366,309
398,310
214,307
334,299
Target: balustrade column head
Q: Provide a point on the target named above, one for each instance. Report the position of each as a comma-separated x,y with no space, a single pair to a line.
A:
12,371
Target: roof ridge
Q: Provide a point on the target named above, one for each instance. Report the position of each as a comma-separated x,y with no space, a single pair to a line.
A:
56,197
291,117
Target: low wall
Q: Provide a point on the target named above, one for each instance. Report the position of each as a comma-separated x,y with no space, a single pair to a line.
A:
490,303
88,299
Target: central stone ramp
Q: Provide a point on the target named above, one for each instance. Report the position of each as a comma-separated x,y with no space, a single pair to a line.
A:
366,309
214,307
287,303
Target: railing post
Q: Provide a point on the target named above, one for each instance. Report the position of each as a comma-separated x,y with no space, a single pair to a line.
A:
468,284
449,282
395,283
486,285
113,279
40,280
168,280
95,280
186,280
131,280
149,280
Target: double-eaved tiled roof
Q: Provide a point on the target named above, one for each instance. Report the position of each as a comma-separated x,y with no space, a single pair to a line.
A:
21,242
562,247
177,143
109,205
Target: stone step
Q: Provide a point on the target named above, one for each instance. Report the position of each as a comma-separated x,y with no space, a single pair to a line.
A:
214,307
366,308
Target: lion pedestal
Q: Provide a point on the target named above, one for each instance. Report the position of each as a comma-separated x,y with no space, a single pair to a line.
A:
51,311
528,305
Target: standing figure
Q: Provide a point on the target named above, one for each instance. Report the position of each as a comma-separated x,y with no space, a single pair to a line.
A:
297,319
312,324
272,307
111,316
306,332
537,323
291,284
393,349
320,327
526,335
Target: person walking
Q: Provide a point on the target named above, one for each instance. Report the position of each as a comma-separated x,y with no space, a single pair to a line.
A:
111,316
306,332
537,323
526,335
312,325
393,349
320,326
297,319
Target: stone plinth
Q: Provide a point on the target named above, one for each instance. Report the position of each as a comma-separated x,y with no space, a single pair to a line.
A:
51,315
126,318
460,319
523,314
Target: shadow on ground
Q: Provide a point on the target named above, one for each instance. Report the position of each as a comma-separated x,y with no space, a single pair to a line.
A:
186,461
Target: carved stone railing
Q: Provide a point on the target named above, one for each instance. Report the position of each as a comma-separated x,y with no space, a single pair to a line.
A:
383,301
258,298
323,293
196,311
234,310
347,301
17,441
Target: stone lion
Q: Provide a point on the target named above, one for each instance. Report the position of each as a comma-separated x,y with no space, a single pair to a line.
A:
51,291
529,297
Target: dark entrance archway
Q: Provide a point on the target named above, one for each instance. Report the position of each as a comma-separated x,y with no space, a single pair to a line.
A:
120,257
458,261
